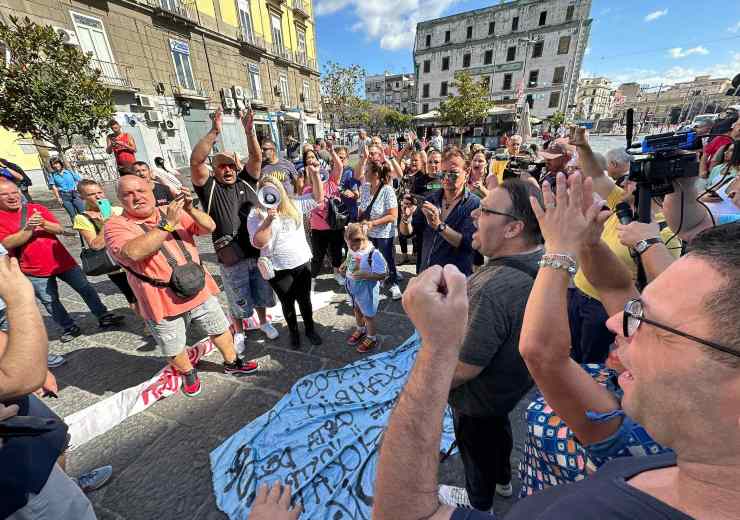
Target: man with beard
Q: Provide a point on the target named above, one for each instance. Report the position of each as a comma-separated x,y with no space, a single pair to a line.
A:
272,164
227,197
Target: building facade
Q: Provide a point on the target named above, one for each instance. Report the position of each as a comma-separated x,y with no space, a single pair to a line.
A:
397,91
524,50
170,63
594,99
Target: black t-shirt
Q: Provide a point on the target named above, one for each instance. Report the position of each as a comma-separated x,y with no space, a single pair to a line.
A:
420,182
162,194
230,207
605,495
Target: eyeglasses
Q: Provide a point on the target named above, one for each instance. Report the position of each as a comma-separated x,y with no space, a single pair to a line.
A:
494,212
453,176
634,314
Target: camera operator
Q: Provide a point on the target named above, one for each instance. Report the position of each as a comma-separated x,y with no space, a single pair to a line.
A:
617,165
590,337
556,156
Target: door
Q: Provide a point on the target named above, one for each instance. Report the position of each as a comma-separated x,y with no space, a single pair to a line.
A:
94,41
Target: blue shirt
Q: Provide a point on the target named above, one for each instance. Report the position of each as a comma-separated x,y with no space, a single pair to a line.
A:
438,251
348,182
66,180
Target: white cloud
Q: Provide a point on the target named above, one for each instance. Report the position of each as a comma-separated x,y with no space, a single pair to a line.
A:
393,24
678,52
655,15
677,74
735,28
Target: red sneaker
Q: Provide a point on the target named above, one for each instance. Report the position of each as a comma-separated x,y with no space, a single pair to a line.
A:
240,367
355,337
191,383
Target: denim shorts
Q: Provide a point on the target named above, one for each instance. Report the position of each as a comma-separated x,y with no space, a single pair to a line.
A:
171,333
245,288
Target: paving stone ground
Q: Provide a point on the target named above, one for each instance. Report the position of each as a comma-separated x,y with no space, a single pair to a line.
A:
160,456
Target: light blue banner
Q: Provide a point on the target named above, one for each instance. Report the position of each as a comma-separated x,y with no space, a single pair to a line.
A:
322,438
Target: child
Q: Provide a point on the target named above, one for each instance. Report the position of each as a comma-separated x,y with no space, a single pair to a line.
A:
364,269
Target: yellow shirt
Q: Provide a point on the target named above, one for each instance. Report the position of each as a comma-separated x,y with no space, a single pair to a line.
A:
611,237
82,223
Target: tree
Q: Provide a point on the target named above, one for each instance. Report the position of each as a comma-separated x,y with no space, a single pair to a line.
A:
469,106
341,88
557,119
48,89
397,121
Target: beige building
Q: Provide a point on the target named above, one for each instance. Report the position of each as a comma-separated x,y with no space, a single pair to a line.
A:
396,91
594,99
170,63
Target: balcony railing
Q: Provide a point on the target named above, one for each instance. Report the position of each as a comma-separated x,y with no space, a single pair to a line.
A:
252,40
281,52
300,6
113,74
194,90
176,9
302,59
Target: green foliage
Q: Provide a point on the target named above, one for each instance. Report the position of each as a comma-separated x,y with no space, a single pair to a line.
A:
471,103
397,121
558,118
341,88
49,89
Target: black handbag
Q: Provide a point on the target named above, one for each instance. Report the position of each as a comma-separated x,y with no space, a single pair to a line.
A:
96,262
337,213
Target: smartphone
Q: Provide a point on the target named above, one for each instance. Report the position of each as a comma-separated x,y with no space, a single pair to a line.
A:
105,208
180,196
418,199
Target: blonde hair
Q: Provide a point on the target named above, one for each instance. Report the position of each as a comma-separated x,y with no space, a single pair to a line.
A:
286,208
355,229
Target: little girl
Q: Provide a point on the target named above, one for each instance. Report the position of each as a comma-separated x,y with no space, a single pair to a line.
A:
364,269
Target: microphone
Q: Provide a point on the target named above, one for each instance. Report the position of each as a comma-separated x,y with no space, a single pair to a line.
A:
630,126
624,213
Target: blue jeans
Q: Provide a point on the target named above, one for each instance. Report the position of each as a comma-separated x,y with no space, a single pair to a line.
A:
72,203
47,292
388,250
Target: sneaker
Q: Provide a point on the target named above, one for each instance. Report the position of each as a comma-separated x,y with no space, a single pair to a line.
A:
191,383
109,320
70,334
367,344
54,361
94,479
355,337
454,496
339,279
240,367
270,331
313,338
504,490
395,292
239,343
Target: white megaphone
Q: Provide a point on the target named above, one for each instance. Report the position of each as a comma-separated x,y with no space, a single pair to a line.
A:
269,196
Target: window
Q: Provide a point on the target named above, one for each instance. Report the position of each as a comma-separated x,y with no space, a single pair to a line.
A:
425,108
466,60
306,93
554,99
511,54
277,32
488,57
253,71
425,90
507,82
564,45
543,18
447,36
537,49
491,27
558,75
486,82
469,33
93,40
569,13
533,77
245,19
515,24
427,66
446,63
429,40
183,69
443,88
301,37
284,90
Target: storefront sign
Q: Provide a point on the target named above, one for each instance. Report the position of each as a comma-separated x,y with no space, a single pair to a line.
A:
508,67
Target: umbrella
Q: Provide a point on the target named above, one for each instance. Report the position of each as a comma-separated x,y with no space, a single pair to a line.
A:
524,128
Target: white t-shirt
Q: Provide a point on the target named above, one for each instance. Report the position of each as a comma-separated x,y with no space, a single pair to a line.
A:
385,201
288,247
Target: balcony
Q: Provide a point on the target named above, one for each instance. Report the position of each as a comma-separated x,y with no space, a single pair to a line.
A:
250,41
177,11
194,90
281,52
113,75
300,58
300,7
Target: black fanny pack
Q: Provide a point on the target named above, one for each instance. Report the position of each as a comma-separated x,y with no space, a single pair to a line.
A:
187,280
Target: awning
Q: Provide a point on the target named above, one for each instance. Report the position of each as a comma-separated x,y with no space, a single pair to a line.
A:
311,120
295,116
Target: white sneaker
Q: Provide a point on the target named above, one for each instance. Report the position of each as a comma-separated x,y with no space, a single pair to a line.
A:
454,496
504,490
94,479
339,279
54,361
395,292
270,331
239,343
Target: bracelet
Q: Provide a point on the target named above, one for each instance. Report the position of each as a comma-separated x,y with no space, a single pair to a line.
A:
559,261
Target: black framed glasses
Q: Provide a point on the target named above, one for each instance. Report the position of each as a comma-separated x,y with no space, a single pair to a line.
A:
494,212
634,314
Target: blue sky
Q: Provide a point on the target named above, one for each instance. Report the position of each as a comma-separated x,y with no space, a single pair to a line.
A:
651,42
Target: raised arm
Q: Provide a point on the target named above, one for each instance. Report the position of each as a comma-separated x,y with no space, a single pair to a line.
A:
395,166
204,221
254,162
364,158
336,163
545,337
198,170
603,184
317,187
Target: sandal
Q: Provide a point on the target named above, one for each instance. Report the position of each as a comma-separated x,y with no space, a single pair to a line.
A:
355,337
367,344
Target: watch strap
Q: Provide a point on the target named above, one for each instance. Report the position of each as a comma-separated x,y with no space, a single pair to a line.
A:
646,244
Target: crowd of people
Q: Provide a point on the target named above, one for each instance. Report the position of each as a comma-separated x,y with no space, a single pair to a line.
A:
532,270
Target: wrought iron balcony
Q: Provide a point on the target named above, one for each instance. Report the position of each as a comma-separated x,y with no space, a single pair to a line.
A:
251,40
300,7
183,11
303,60
281,52
113,75
190,89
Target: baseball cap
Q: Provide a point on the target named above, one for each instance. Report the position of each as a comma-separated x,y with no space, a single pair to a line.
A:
225,158
555,150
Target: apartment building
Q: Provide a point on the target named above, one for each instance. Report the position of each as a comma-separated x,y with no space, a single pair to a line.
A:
397,91
594,99
170,63
527,50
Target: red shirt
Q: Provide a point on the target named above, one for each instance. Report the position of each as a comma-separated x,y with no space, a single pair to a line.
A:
714,145
44,255
123,157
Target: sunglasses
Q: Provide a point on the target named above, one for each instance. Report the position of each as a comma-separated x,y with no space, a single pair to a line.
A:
494,212
453,176
634,314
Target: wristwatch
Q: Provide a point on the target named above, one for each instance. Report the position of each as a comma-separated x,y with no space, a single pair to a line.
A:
165,226
643,245
441,227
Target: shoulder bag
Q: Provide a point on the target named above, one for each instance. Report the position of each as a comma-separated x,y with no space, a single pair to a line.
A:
96,262
366,214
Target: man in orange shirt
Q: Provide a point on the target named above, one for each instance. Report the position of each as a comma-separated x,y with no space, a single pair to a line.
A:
152,244
121,145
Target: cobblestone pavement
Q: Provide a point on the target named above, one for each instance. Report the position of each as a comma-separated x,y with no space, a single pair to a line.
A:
160,456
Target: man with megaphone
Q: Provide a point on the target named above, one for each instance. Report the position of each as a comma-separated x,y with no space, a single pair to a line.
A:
228,194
